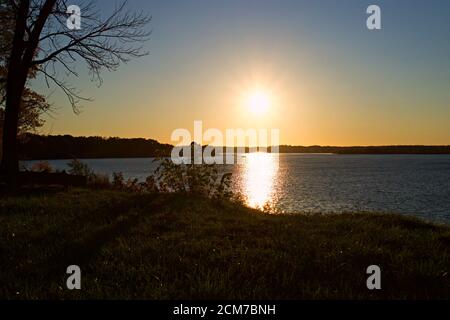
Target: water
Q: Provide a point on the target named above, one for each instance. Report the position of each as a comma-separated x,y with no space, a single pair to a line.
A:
321,183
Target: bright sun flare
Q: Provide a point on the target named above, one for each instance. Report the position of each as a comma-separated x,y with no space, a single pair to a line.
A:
258,102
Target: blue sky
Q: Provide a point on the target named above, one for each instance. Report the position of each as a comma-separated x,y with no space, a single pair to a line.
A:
339,82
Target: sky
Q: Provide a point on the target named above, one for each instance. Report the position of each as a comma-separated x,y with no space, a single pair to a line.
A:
325,77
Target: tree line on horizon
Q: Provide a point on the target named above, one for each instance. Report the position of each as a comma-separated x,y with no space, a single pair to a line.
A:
39,147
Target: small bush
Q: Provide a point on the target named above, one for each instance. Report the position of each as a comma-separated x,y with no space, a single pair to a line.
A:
94,180
118,182
99,181
76,167
42,166
203,179
150,185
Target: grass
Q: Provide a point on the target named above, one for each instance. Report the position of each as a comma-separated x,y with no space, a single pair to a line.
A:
184,247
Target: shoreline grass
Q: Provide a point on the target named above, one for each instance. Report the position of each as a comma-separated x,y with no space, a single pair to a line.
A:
174,246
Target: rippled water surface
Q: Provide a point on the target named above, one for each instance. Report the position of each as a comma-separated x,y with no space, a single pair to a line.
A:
406,184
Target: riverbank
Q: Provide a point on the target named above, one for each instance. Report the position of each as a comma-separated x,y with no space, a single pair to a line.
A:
183,247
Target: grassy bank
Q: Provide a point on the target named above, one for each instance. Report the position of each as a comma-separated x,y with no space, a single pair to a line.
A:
178,247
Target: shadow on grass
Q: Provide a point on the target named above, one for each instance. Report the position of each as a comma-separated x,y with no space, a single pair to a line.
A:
83,250
31,191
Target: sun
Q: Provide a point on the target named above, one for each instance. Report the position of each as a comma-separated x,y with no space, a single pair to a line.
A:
258,102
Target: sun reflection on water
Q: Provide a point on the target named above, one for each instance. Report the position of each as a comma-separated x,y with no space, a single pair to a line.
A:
259,174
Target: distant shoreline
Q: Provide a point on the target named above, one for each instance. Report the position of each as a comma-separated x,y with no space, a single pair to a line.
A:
39,147
292,153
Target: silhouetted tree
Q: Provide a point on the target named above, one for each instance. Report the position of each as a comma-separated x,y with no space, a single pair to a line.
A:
42,41
33,105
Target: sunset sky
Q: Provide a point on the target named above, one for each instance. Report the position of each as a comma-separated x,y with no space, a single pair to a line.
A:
326,78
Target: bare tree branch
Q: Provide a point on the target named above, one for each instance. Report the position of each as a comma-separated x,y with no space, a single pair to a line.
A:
102,43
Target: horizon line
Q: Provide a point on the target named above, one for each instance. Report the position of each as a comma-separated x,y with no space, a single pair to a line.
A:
224,146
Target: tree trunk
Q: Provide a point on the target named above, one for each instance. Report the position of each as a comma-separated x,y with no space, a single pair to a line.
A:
10,157
16,79
14,90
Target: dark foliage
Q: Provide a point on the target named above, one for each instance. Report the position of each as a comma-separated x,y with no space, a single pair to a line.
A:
69,147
